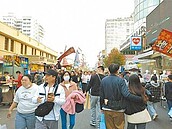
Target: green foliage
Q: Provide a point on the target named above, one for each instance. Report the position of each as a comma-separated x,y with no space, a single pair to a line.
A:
114,57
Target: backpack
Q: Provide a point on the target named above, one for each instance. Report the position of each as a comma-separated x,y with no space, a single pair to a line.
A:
45,108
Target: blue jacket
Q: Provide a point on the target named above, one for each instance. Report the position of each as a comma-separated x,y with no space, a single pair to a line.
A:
114,87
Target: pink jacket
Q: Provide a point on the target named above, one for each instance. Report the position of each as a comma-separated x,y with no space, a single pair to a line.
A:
69,106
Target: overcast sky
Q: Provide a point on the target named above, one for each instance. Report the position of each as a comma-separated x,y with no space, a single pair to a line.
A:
78,23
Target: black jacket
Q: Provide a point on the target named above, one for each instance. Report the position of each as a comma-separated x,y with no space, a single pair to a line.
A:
168,90
114,87
155,90
94,84
134,107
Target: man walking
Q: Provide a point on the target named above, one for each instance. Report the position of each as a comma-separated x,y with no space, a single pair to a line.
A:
94,85
48,92
113,91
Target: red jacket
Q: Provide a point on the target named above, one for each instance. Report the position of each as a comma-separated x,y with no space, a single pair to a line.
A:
19,80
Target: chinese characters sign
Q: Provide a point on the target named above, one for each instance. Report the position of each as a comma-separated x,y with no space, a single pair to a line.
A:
164,43
8,60
136,43
17,60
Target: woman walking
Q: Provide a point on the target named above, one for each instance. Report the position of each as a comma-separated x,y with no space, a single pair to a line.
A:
25,116
72,96
136,112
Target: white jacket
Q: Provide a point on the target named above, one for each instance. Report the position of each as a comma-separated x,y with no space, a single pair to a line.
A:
58,101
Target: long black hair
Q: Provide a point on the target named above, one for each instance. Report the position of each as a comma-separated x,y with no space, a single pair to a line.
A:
136,87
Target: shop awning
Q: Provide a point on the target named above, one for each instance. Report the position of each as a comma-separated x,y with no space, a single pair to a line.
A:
145,55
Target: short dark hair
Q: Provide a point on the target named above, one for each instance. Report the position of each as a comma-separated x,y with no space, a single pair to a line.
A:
18,72
101,67
29,76
154,78
170,77
52,72
6,72
113,68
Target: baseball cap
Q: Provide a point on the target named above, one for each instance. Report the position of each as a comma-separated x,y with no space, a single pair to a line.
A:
51,72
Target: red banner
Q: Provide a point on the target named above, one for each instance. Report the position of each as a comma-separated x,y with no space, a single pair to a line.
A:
66,53
164,43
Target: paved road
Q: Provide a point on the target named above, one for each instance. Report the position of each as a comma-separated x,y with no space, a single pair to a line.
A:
82,119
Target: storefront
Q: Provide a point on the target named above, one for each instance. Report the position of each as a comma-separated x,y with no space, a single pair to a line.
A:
36,67
13,63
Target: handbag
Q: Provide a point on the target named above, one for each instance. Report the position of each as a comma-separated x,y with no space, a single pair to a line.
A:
79,107
44,109
102,122
170,112
139,117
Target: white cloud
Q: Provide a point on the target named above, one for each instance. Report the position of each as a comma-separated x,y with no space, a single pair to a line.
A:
78,23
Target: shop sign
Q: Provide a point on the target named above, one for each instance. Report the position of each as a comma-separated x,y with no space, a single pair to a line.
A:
136,43
163,44
34,67
24,62
18,61
8,60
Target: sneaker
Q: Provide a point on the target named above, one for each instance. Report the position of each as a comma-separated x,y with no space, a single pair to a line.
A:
171,119
155,116
92,123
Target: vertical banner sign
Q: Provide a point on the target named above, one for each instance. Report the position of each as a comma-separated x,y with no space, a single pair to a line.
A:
17,60
136,43
163,44
24,62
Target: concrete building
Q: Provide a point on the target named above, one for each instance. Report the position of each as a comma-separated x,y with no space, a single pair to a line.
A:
142,8
14,43
116,31
27,25
160,18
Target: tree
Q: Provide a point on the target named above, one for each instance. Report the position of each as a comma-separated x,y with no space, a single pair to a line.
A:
114,57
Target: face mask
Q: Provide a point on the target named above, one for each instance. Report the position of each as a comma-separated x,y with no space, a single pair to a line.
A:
66,78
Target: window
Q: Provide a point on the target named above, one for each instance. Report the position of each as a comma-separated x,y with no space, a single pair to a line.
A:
32,51
21,49
25,51
12,46
47,55
6,44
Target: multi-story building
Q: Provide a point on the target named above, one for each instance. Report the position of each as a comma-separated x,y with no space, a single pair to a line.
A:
160,18
15,46
27,25
142,8
116,31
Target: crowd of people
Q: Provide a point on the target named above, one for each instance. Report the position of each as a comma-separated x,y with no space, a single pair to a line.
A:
115,95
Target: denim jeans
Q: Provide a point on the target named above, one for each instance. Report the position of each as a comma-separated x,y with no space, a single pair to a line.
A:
64,119
139,126
169,103
95,110
151,108
25,120
46,124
